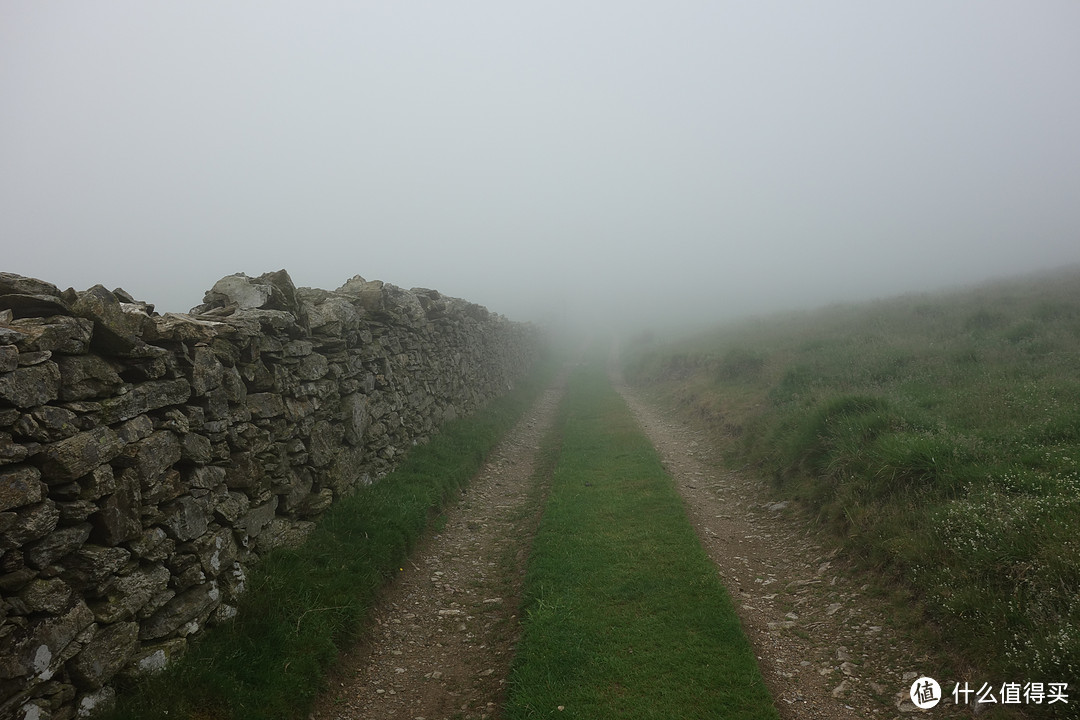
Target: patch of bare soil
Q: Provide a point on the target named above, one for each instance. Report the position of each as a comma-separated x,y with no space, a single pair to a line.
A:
825,646
443,635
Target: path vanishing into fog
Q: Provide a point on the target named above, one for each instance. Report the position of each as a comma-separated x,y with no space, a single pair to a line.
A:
443,635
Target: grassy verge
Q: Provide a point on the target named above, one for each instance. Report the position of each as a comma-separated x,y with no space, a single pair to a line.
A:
624,614
938,436
304,603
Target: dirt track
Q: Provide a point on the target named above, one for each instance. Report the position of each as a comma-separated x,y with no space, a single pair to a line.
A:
443,636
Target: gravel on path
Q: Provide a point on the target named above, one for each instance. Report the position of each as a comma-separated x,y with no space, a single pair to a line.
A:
443,634
824,644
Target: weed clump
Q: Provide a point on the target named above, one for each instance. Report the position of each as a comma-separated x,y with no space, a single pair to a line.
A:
739,364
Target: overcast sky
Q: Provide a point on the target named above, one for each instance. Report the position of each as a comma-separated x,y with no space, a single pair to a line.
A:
546,159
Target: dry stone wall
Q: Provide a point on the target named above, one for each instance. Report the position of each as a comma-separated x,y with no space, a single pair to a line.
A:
146,461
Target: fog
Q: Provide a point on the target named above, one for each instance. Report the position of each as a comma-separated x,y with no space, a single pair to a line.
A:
575,162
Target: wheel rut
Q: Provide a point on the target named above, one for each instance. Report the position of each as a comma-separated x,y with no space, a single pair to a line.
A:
442,637
825,645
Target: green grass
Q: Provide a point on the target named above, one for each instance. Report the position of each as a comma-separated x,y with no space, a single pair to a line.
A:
624,614
937,436
305,603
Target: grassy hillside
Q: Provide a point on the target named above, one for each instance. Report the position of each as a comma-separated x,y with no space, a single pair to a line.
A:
937,435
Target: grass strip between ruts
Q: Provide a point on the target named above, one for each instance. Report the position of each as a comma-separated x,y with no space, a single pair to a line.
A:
304,603
624,614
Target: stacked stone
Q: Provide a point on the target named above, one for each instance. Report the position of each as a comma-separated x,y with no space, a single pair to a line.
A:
146,461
